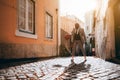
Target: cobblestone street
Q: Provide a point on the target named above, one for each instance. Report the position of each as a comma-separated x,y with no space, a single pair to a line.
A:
63,69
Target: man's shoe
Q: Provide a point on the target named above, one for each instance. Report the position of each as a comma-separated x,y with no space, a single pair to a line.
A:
72,60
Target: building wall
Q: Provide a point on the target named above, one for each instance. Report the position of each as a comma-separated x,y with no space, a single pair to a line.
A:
104,30
14,46
89,22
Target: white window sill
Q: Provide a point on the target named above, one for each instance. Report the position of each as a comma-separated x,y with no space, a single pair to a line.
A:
26,35
48,39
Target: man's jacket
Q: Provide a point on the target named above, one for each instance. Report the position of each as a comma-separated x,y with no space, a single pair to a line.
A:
80,33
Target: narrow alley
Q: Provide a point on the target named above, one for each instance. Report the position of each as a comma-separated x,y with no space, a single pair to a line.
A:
59,39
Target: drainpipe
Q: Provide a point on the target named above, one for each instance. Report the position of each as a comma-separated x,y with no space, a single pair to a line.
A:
57,33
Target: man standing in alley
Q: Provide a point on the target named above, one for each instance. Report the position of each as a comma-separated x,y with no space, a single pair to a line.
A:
78,38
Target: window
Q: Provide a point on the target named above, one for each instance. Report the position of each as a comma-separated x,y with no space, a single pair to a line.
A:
49,26
26,16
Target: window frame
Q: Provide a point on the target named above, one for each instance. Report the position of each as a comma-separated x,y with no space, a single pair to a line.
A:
46,26
27,18
23,33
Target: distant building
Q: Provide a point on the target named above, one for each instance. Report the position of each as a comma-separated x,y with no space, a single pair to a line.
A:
28,28
89,23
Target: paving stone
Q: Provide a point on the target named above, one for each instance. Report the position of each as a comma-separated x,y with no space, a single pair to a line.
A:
9,75
2,71
31,76
22,77
11,78
2,74
2,78
39,75
103,78
112,76
87,79
117,78
75,79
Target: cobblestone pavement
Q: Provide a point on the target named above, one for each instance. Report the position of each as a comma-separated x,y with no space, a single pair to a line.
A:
63,69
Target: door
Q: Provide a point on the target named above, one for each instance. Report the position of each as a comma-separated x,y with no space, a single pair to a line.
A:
117,28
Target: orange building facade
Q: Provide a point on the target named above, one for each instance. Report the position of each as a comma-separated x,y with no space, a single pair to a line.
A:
28,28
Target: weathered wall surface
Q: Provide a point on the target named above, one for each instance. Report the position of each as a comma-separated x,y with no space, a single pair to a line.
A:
26,50
105,33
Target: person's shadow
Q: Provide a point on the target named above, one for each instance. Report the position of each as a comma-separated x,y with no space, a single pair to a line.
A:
72,71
